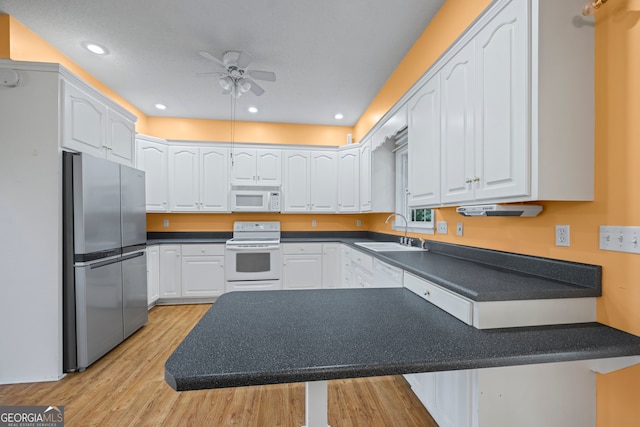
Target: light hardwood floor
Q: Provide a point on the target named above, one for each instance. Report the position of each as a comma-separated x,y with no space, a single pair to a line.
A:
127,388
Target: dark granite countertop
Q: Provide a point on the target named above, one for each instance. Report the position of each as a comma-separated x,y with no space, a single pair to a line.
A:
475,273
254,338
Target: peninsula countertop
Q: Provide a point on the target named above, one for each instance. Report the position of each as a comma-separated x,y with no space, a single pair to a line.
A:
255,338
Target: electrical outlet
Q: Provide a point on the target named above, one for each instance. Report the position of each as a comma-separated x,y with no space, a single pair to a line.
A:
165,223
459,229
313,223
563,236
358,223
442,227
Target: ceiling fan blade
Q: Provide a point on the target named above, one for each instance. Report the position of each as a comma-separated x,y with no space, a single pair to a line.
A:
256,89
213,73
267,76
207,55
244,59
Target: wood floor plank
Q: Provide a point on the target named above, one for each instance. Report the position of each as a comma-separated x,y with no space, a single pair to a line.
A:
127,388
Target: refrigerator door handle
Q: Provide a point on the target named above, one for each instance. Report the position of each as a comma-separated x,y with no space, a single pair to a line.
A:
104,263
131,256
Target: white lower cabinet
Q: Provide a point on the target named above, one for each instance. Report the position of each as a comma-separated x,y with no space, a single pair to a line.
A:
301,265
558,394
170,276
446,395
190,272
202,270
331,265
357,268
153,275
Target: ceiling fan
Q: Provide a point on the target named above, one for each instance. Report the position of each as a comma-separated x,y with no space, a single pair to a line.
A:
235,78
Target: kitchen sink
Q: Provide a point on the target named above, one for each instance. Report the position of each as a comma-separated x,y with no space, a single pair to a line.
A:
387,246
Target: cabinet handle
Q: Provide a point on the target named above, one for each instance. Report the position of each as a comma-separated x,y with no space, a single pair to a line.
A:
476,179
427,293
469,181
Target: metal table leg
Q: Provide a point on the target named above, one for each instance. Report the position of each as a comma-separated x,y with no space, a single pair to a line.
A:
316,404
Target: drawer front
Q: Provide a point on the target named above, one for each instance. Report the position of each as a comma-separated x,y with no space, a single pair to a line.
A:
388,271
203,249
301,248
363,260
453,304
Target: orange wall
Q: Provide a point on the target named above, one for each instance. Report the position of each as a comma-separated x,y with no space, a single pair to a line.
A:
224,222
450,21
272,133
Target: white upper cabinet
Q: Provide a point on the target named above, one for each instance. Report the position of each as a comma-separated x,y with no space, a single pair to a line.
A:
184,177
296,186
424,144
457,119
85,122
515,111
365,177
198,179
214,179
348,179
93,125
152,157
324,181
121,135
501,140
310,181
256,167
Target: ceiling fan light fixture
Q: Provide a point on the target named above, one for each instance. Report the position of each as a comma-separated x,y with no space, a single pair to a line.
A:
226,83
244,85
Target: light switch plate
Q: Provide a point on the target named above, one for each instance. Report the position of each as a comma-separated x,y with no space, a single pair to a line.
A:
620,239
442,227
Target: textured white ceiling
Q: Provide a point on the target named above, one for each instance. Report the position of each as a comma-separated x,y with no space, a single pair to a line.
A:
329,55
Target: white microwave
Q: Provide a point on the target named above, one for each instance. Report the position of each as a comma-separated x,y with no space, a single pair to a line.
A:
255,200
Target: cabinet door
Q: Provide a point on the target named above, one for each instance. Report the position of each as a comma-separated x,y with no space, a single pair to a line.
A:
170,274
269,167
302,271
202,276
184,177
365,177
324,181
502,140
331,265
296,187
424,145
214,179
452,398
457,137
243,166
152,158
348,180
153,274
362,278
120,138
85,122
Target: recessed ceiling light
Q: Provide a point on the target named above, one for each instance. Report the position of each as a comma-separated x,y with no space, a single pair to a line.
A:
161,106
339,116
95,48
252,110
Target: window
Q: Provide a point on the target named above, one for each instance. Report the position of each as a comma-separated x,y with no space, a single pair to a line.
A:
420,220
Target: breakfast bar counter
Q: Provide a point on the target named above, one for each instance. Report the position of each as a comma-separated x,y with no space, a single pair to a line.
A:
255,338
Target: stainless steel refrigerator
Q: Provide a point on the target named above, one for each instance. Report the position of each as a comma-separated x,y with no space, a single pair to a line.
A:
105,269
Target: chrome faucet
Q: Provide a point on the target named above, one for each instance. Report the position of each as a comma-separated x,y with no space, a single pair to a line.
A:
403,240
